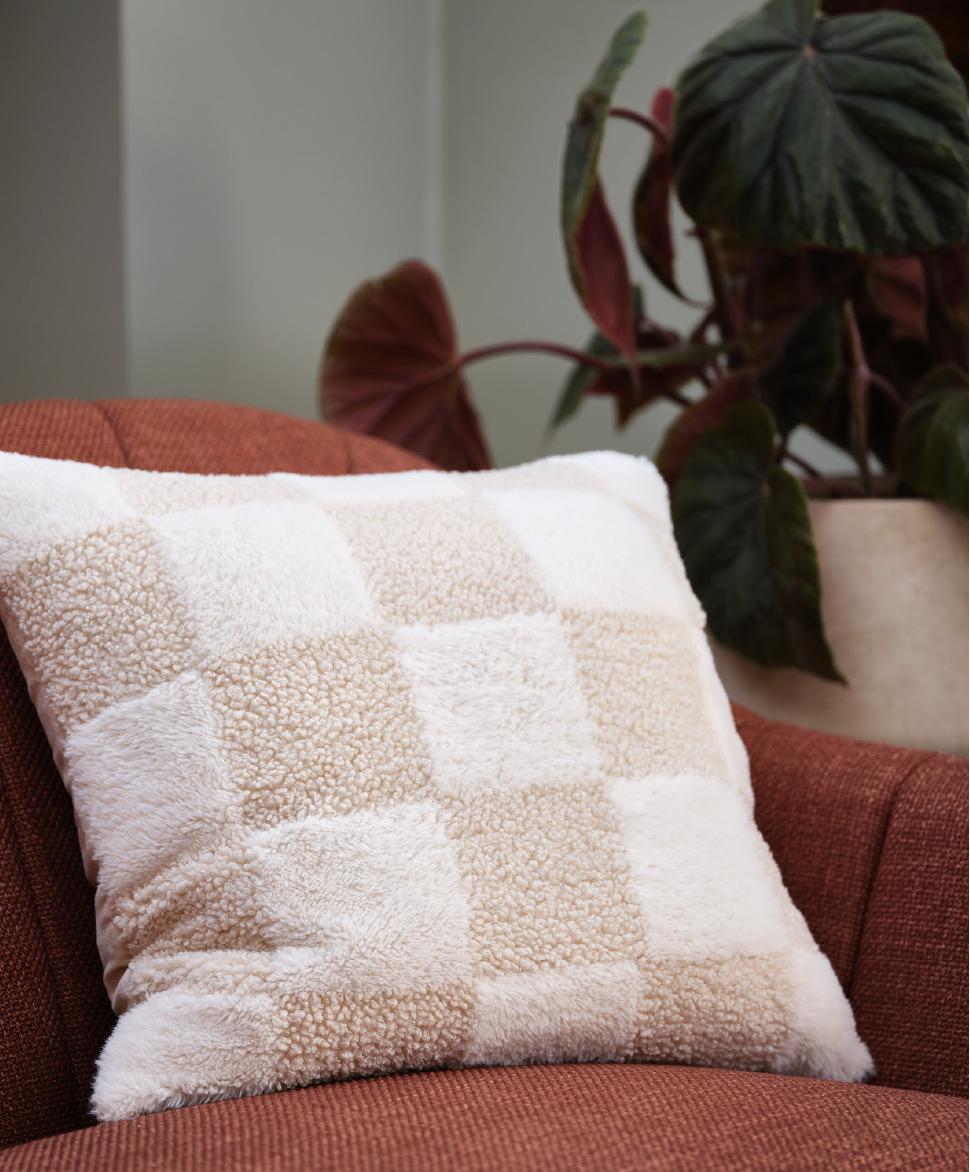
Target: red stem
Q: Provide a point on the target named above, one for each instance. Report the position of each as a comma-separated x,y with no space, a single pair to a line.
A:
603,364
807,468
859,417
725,310
644,120
886,387
606,365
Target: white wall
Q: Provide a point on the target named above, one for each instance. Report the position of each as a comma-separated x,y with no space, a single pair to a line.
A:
61,301
275,156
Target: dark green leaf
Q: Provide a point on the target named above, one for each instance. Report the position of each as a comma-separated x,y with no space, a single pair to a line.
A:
796,383
932,441
848,133
743,528
580,379
585,137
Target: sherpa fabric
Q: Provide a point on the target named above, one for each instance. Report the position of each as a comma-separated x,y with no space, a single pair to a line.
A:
401,771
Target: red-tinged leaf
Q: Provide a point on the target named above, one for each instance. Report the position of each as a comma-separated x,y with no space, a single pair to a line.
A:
584,136
594,251
897,286
698,419
651,198
391,369
607,293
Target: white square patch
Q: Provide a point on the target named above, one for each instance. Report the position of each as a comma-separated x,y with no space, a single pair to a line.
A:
591,551
499,703
580,1014
376,893
262,573
707,884
47,501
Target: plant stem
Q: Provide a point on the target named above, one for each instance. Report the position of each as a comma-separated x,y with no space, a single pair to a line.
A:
887,388
643,120
725,311
807,468
606,365
859,397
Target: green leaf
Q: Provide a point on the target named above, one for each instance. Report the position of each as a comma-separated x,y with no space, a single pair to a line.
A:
932,440
584,139
848,133
744,532
580,379
803,373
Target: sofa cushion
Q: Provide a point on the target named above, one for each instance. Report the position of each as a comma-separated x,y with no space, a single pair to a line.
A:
401,771
589,1118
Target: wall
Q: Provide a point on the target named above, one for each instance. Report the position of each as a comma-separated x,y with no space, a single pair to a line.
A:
61,282
275,156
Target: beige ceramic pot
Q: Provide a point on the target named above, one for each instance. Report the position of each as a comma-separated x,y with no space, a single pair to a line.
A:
894,603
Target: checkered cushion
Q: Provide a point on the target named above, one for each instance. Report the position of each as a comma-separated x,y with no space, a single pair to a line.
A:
401,771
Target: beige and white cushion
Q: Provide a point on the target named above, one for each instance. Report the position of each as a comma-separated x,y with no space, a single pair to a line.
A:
401,771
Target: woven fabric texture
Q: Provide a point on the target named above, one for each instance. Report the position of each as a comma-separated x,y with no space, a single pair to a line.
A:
401,771
872,842
590,1118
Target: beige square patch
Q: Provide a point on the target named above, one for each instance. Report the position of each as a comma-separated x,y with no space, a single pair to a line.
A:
546,878
440,561
553,472
100,617
172,492
730,1013
319,727
641,677
340,1035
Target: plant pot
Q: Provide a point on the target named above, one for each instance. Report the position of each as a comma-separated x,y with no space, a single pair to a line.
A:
894,604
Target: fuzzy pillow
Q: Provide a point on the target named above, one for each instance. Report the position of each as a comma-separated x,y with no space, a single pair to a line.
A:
390,772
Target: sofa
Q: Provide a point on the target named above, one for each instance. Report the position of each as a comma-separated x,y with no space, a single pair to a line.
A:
871,841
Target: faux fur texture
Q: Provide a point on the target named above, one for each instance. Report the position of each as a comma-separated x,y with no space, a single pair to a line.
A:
399,771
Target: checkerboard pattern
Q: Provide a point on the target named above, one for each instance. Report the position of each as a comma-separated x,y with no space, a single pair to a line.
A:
401,771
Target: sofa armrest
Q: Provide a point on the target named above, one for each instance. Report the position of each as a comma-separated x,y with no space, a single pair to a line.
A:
872,844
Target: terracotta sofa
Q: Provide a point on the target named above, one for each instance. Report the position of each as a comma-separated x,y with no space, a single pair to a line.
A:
871,841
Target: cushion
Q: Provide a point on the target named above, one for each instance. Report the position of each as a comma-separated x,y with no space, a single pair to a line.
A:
401,771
